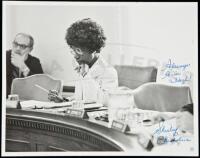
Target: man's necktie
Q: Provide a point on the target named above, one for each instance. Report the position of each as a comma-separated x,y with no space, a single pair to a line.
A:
16,72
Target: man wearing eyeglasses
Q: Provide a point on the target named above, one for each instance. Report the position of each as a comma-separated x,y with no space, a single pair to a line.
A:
19,62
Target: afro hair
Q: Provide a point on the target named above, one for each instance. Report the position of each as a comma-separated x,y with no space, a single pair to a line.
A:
86,35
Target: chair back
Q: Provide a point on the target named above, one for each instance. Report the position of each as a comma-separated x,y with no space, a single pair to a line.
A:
162,97
134,76
27,88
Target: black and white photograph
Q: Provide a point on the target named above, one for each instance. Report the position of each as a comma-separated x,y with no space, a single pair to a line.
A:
99,78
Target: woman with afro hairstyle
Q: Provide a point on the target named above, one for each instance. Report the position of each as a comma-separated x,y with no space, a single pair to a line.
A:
86,39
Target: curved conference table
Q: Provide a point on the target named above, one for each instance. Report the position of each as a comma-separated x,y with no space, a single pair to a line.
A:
37,130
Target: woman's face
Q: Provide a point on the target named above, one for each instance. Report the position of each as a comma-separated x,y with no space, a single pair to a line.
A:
82,57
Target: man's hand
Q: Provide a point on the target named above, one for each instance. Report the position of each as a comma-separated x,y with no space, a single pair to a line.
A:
162,116
184,121
18,61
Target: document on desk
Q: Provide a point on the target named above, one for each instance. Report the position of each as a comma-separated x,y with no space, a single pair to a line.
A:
34,104
93,106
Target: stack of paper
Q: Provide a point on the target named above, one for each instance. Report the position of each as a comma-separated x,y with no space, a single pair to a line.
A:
92,106
34,104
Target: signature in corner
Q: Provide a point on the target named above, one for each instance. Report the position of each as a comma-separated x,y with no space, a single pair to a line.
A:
173,65
176,73
180,79
165,139
163,129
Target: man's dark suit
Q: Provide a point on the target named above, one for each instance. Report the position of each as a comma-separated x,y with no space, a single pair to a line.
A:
32,63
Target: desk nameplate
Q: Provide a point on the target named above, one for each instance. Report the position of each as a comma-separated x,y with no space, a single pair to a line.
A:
120,126
80,113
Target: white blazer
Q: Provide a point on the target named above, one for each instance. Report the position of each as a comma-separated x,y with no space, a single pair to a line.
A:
100,78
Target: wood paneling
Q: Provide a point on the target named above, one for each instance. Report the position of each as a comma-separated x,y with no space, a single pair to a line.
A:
41,131
17,145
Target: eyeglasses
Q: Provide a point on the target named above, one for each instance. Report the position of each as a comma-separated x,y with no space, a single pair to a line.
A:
75,53
21,46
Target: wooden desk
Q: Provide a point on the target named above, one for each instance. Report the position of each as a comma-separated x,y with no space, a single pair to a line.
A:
29,130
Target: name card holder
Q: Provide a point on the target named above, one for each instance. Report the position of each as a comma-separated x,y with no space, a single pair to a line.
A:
13,104
120,126
79,113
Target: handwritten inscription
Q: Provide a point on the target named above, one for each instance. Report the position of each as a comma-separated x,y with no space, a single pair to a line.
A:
168,134
163,129
176,73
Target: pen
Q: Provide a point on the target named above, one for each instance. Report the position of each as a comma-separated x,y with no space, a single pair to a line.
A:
42,88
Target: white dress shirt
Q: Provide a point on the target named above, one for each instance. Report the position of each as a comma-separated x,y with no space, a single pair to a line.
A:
100,78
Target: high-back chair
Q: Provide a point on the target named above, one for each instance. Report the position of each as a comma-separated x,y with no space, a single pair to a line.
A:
134,76
162,97
28,88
